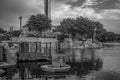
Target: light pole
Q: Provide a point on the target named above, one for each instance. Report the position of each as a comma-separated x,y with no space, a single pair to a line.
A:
20,18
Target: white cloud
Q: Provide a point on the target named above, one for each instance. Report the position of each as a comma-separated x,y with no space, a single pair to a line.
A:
59,11
89,3
64,10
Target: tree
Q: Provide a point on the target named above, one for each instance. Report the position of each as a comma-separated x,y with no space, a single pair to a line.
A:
68,26
82,27
38,23
2,30
15,33
3,35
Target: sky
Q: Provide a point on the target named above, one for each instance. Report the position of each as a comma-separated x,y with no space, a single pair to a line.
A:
105,11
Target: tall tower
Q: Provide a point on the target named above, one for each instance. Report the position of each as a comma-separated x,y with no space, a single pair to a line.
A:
47,8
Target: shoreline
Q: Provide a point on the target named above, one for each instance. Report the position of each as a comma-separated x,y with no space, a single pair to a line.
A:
112,43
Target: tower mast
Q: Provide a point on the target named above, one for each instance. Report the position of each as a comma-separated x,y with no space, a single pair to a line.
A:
47,8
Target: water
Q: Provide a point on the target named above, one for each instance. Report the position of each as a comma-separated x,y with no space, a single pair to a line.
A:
83,62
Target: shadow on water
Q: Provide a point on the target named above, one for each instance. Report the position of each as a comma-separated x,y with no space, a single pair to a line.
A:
10,71
86,63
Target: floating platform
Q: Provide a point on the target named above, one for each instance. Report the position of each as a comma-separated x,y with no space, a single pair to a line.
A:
52,68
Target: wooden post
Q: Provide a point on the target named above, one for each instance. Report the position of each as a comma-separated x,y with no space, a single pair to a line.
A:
46,78
73,55
36,47
36,50
40,47
46,49
4,56
50,56
56,47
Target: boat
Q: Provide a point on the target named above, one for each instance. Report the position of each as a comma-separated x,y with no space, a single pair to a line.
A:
52,68
56,66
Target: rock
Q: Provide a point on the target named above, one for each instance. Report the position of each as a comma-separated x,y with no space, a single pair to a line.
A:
11,55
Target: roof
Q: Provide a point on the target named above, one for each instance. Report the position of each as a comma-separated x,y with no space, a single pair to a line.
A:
34,39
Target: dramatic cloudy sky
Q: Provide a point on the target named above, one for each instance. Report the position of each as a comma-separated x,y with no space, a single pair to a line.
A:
105,11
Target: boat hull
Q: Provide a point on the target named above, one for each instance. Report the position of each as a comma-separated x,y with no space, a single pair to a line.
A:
50,68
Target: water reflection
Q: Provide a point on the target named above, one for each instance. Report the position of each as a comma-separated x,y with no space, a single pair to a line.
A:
11,71
82,62
87,62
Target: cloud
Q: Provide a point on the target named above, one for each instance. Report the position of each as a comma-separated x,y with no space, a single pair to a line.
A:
105,16
12,9
65,10
89,3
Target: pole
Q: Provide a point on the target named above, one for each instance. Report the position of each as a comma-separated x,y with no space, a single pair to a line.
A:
47,8
11,30
94,35
20,18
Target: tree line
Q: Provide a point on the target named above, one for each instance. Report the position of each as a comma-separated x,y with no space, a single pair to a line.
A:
83,28
79,28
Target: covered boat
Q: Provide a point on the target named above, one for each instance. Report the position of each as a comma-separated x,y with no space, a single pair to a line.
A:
56,66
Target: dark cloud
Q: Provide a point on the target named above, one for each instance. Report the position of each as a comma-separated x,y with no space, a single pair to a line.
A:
99,4
106,4
76,3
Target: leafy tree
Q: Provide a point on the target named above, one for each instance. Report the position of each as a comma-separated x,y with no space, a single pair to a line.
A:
15,33
2,30
68,26
117,37
38,23
82,27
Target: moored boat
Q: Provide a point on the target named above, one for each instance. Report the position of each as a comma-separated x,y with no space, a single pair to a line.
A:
57,65
52,68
